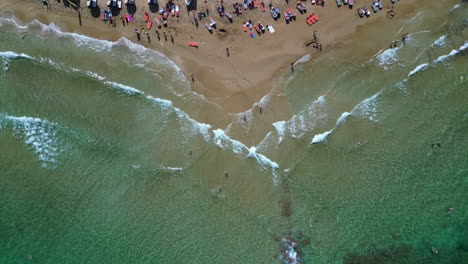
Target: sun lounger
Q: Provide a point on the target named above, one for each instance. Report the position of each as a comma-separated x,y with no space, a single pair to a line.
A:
262,28
210,29
380,4
177,10
257,29
228,16
149,24
244,27
119,4
338,3
193,44
212,22
188,2
152,2
374,7
393,1
255,4
262,5
345,2
315,16
351,3
271,29
108,2
310,20
157,22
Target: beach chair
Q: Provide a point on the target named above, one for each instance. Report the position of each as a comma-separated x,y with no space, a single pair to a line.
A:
315,17
393,1
108,2
152,2
312,2
271,29
286,17
146,17
374,7
212,22
345,2
228,16
157,22
258,29
310,20
262,5
338,3
351,3
193,44
262,28
148,26
119,4
210,29
244,27
177,10
380,4
255,4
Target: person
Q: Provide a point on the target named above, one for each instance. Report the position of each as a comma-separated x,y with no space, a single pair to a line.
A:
148,36
226,174
435,251
227,52
292,66
450,211
137,34
219,189
260,109
193,78
172,39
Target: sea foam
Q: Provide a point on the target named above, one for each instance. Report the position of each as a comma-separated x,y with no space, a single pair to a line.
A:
39,135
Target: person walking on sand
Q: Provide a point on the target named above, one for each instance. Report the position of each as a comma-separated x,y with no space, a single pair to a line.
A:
137,34
148,36
193,78
292,67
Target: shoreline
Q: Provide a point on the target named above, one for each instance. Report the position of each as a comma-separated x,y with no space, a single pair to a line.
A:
236,83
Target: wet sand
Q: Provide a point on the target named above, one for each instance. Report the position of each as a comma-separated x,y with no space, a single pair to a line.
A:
254,65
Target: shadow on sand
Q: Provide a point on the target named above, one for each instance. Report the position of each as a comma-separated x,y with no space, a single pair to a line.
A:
131,9
75,4
115,11
95,12
154,8
192,6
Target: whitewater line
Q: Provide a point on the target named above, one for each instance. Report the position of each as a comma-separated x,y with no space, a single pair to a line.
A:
219,137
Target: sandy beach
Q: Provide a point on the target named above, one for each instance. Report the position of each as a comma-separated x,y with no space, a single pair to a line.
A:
254,65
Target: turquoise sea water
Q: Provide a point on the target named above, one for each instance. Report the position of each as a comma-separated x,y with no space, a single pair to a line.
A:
104,159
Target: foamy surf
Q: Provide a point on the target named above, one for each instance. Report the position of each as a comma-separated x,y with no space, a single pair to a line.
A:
441,58
39,135
367,108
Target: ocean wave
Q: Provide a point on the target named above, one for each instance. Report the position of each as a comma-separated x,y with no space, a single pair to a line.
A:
441,58
455,7
97,45
388,57
304,59
223,141
440,41
188,125
320,138
367,108
39,135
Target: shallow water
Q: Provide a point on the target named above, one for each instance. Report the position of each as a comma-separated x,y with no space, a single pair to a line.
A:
107,155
